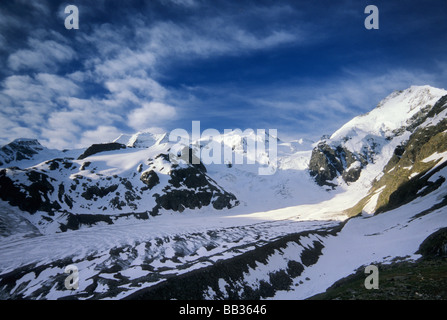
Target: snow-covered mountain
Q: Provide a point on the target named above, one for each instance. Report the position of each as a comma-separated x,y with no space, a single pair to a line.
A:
143,139
26,152
134,177
371,138
132,218
107,182
20,149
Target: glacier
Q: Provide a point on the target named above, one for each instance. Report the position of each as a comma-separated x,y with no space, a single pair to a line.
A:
274,237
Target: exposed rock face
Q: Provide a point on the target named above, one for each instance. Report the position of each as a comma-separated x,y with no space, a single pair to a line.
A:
409,176
98,192
409,173
28,197
97,148
150,179
191,188
19,149
435,245
328,163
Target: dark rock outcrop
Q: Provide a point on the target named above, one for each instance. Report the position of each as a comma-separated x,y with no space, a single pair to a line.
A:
191,188
94,191
31,197
435,245
327,163
150,179
97,148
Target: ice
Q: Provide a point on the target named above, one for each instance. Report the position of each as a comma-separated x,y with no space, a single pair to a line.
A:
271,207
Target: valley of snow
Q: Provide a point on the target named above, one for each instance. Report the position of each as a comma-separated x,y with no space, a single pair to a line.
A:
129,255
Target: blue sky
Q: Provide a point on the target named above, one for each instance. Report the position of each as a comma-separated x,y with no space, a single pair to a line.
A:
301,67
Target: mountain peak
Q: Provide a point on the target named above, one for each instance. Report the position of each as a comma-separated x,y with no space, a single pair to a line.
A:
25,141
142,139
20,149
393,112
414,96
372,137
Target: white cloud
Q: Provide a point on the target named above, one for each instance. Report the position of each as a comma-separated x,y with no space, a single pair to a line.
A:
52,108
133,88
99,135
78,76
125,60
213,36
41,56
30,99
10,130
125,63
57,85
151,114
33,106
42,87
58,140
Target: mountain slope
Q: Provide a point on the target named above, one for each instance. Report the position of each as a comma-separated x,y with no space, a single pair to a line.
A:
367,139
25,152
413,170
139,224
104,184
136,178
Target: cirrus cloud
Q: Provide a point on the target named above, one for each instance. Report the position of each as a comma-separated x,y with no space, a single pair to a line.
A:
161,63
